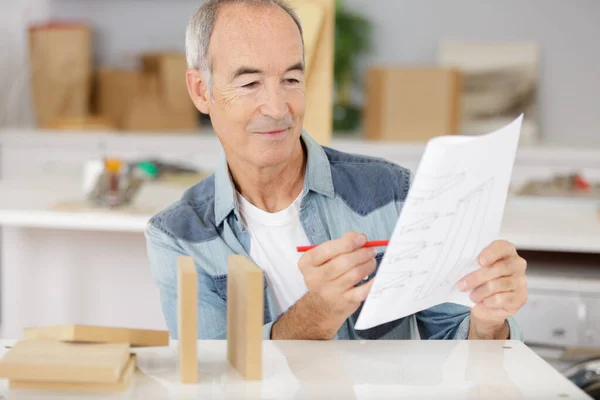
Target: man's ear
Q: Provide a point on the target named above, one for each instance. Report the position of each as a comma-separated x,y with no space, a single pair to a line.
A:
198,89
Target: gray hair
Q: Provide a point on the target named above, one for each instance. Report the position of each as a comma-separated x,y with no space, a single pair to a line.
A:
202,23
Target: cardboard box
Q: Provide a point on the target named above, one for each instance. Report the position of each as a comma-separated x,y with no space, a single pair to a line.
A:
412,104
168,70
116,91
60,64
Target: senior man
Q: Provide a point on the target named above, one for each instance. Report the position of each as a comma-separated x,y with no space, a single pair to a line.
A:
276,189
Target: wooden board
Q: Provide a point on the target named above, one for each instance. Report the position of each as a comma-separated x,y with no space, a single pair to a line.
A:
121,385
187,319
318,120
311,15
44,360
100,334
245,316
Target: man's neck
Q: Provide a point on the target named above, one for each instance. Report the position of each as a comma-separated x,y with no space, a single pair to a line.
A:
271,188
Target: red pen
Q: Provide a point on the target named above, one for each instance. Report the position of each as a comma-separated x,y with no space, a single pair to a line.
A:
373,243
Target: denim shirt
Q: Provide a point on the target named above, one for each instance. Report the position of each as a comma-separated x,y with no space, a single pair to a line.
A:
341,192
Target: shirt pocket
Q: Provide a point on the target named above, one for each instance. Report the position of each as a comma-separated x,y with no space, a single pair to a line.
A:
220,282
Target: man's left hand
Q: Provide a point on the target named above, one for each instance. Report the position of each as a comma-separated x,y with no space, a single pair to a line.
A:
499,288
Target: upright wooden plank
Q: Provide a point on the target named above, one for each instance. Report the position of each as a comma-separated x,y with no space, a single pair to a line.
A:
53,361
318,120
121,385
311,15
99,334
245,317
187,319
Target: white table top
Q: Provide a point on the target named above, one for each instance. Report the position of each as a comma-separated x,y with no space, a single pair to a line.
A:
360,370
531,223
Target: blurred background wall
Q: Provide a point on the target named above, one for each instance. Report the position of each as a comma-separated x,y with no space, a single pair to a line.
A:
404,32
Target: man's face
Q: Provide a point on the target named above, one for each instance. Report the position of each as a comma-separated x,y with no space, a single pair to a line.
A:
258,84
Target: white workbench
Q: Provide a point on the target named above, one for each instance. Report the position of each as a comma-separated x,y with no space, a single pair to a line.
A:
360,370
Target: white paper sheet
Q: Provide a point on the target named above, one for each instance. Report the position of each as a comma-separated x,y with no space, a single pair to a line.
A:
452,212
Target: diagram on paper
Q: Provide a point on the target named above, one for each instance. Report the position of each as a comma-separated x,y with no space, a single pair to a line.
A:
453,210
461,244
434,187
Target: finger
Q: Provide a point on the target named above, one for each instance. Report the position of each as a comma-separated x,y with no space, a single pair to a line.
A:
359,293
340,265
505,301
355,275
333,248
496,251
490,288
483,275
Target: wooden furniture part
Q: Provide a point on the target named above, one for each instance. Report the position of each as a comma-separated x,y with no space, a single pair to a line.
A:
100,334
318,21
53,361
245,317
187,318
412,104
121,385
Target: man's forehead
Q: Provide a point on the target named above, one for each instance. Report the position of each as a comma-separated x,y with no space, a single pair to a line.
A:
244,36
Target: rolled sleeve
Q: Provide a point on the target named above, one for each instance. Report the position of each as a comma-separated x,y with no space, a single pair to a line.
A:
267,329
452,321
462,333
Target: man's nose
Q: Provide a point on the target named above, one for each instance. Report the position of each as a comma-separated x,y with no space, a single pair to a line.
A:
275,104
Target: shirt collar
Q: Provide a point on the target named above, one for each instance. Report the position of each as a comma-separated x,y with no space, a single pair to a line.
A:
317,179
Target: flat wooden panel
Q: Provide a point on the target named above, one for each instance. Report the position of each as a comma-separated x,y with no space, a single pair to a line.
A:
100,334
43,360
318,120
245,317
187,319
122,384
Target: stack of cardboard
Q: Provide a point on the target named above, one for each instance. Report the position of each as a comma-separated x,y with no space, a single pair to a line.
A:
154,98
76,358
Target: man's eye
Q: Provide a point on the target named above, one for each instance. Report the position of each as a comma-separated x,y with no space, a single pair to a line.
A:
292,81
250,85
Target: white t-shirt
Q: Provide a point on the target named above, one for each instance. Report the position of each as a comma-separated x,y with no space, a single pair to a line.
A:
273,241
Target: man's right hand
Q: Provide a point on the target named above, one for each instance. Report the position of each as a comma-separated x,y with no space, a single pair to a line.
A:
331,272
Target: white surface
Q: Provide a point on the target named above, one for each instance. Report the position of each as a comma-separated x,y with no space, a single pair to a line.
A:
63,276
553,224
360,370
531,223
32,203
462,182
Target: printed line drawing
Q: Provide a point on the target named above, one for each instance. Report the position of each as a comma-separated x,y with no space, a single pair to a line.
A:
435,187
423,223
399,280
399,276
409,251
465,228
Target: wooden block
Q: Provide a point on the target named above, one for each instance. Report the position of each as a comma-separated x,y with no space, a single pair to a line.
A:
44,360
412,104
318,120
121,385
187,319
245,316
100,334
